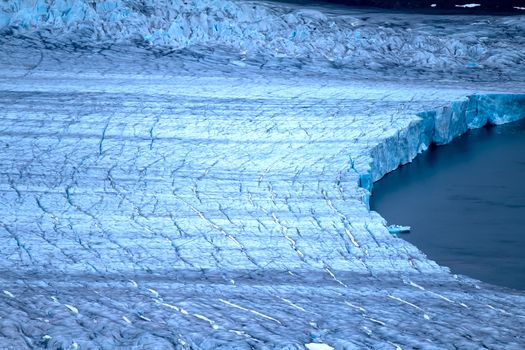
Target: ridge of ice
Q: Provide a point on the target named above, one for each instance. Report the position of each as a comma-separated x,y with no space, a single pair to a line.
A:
257,28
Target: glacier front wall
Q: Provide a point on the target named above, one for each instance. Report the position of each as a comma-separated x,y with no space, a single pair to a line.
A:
440,126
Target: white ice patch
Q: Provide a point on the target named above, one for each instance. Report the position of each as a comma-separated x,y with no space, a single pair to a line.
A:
396,346
376,321
170,306
355,306
204,318
425,316
318,346
497,309
8,293
71,308
404,302
133,283
292,304
154,292
416,285
250,310
469,5
335,278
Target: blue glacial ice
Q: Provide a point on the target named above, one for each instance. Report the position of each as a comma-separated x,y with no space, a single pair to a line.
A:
187,175
252,29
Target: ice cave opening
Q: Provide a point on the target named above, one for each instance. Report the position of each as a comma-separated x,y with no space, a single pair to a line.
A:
465,202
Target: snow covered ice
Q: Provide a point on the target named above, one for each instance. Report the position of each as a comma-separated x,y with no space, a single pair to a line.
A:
196,174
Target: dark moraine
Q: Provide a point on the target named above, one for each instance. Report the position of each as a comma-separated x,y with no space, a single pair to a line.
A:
465,202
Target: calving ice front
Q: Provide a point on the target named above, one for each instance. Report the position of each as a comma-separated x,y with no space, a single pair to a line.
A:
196,175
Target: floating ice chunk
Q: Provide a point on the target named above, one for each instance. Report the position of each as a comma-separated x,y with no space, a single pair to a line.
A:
519,8
469,5
8,293
318,346
433,5
398,229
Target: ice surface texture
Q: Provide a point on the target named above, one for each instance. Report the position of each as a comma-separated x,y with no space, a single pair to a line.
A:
254,28
153,198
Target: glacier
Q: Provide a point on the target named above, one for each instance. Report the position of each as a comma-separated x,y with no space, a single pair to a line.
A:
196,174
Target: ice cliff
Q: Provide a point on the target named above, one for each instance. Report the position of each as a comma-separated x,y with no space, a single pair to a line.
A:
440,126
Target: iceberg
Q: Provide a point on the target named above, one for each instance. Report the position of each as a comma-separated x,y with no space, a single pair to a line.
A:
183,174
398,229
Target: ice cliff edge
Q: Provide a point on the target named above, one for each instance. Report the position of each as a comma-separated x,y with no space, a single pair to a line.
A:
440,126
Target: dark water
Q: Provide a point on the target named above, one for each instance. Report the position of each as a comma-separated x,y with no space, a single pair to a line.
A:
429,6
465,202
